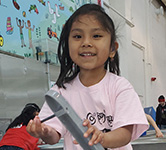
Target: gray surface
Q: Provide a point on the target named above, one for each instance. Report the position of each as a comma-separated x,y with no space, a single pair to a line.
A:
51,147
58,146
22,80
150,142
152,146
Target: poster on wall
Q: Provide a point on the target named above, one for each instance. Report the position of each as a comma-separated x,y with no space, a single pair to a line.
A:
31,28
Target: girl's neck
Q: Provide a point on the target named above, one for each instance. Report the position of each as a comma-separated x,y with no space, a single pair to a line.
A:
90,78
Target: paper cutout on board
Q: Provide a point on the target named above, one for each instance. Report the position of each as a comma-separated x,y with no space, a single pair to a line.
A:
33,7
42,2
20,24
51,11
30,32
51,33
9,26
61,7
1,41
16,5
24,14
55,13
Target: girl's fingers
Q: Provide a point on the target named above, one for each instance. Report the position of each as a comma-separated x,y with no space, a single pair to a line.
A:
37,125
34,127
99,138
75,142
97,135
28,127
86,123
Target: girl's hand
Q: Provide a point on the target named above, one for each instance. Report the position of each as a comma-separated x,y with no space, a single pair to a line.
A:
97,135
37,129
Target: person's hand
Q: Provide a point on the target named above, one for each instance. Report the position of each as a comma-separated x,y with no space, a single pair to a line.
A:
159,134
37,129
97,135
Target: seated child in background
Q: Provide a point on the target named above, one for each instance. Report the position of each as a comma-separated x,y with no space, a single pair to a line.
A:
16,136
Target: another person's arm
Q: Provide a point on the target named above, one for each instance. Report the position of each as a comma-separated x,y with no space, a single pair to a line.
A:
153,123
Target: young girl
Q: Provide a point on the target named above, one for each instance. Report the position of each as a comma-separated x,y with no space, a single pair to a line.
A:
107,102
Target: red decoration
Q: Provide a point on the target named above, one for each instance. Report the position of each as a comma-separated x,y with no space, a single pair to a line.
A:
153,78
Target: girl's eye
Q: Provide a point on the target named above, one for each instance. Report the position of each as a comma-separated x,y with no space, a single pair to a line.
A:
77,36
97,36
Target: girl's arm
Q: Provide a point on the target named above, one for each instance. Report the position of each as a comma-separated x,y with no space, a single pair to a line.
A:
113,139
117,138
40,130
153,123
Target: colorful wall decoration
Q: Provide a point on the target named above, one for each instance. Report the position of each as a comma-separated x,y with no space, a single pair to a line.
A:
31,28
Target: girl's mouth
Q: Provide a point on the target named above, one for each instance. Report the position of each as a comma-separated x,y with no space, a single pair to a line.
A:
87,54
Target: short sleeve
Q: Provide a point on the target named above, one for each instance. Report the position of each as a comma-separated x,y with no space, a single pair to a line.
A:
128,109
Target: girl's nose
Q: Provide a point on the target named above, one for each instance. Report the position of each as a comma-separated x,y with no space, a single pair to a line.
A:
86,43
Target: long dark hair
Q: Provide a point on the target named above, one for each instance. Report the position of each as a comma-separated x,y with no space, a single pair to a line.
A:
28,113
68,71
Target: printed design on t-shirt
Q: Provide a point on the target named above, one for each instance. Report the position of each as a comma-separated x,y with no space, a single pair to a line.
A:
100,117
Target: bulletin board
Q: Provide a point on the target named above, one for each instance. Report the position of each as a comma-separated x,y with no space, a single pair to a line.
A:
31,28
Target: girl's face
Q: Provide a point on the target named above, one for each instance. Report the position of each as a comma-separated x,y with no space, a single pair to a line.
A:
89,43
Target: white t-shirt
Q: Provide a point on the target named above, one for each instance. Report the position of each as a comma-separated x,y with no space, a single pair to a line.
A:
110,104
